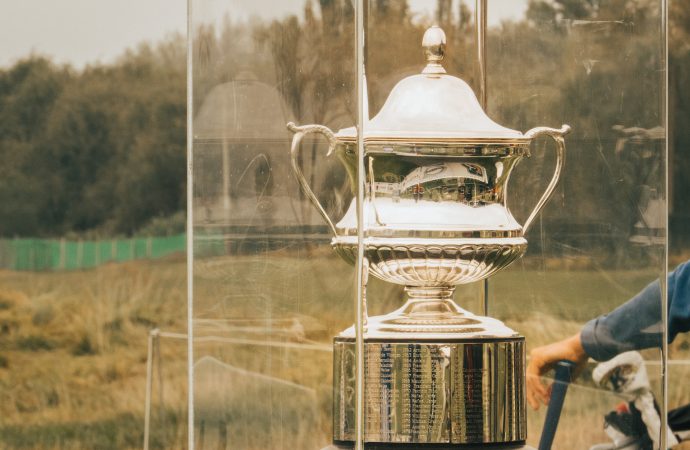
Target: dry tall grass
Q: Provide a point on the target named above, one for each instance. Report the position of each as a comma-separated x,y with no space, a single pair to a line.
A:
73,349
73,353
314,293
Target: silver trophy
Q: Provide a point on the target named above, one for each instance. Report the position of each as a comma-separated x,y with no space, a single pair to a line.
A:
435,216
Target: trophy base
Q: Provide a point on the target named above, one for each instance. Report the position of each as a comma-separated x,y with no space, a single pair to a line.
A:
431,314
449,391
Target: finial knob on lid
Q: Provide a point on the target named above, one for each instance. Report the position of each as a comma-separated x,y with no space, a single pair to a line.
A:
434,43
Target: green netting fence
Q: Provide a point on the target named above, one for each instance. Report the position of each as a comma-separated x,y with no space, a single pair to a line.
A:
61,254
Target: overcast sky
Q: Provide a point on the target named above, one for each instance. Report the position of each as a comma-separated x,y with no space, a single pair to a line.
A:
88,31
82,31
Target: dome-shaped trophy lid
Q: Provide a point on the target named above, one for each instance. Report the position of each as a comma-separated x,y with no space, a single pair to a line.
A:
433,107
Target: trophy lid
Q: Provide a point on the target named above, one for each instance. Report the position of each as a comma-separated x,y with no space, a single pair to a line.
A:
432,107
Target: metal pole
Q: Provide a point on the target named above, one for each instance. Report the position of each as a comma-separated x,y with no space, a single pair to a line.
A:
63,254
361,266
225,149
149,387
159,368
480,30
480,13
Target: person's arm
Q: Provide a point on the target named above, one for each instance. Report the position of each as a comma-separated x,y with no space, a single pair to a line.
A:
542,359
679,301
634,325
637,323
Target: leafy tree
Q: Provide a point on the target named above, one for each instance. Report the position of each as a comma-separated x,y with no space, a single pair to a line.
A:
99,151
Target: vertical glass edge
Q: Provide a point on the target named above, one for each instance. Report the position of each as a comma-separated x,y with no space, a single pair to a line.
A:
190,237
359,307
664,272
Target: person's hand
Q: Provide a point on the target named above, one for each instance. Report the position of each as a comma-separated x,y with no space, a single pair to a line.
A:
542,359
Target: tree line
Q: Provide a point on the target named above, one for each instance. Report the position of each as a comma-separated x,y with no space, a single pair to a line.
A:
102,150
97,151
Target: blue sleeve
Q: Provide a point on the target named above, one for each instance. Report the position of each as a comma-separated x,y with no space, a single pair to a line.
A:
637,323
679,301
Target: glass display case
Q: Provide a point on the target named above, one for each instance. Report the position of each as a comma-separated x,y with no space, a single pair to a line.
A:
508,185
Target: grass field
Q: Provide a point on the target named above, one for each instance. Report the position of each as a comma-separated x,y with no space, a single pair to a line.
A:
73,348
73,354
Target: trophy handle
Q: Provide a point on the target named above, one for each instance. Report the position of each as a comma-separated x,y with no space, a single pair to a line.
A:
300,132
557,136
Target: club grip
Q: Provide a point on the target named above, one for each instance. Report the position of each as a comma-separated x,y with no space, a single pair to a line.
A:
564,371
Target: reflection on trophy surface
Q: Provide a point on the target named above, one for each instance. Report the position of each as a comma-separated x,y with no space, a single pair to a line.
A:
435,216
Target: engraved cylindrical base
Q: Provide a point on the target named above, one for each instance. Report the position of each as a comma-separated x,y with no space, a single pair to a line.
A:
456,392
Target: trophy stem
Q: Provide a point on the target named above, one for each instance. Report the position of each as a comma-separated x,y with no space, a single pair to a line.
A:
430,292
428,309
431,301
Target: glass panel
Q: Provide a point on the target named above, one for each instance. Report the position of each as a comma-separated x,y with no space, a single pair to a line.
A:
679,185
92,181
597,66
269,292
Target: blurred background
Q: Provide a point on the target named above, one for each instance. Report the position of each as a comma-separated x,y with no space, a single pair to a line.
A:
93,189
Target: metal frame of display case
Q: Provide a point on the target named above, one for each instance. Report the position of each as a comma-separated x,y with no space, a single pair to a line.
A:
664,272
362,269
190,227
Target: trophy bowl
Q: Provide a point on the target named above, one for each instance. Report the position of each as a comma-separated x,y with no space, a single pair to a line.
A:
433,264
435,211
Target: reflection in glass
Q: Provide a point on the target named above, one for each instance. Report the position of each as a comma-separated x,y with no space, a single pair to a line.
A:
267,297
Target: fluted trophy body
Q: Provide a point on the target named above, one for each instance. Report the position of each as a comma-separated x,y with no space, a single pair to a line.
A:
436,216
